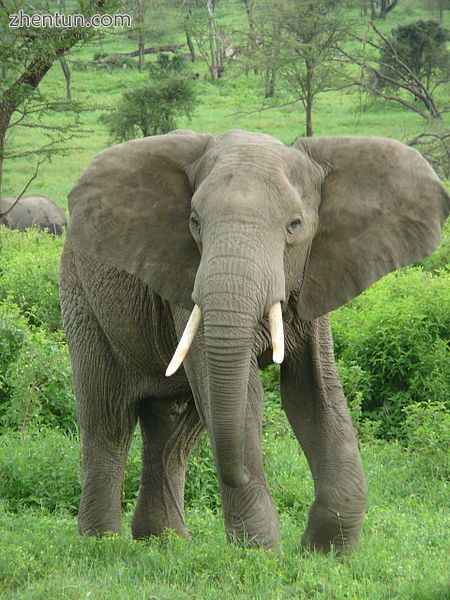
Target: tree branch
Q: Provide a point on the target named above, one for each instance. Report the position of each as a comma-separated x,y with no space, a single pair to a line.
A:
33,177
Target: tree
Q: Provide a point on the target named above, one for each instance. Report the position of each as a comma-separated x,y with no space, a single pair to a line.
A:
306,35
148,25
152,109
422,46
26,56
201,29
398,71
381,8
263,51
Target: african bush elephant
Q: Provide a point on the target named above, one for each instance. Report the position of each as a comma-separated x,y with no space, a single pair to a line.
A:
33,210
260,241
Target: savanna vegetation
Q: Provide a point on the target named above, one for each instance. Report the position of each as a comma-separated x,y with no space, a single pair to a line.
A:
391,342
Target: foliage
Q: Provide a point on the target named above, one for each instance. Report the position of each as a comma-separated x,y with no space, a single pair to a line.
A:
35,379
426,429
40,471
397,333
152,109
13,333
202,487
295,41
29,264
39,386
422,46
25,57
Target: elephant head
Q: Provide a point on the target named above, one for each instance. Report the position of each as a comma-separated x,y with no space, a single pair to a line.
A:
241,226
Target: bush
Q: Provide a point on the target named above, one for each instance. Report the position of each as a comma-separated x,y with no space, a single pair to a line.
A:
426,429
396,333
202,487
154,108
29,265
40,471
39,385
35,375
13,332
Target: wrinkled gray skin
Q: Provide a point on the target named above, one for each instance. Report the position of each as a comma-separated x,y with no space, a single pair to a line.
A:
34,210
234,224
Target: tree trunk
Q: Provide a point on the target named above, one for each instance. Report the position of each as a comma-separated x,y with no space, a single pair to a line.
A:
216,66
2,146
141,39
270,82
309,98
251,25
67,76
189,41
386,7
141,53
373,12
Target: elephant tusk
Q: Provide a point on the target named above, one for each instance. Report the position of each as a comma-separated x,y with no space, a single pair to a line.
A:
185,342
277,333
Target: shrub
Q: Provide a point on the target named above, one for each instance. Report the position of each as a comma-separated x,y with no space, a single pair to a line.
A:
29,264
13,332
154,108
396,333
40,385
426,429
40,470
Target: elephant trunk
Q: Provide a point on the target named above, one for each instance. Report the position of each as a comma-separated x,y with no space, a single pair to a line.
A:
228,356
232,302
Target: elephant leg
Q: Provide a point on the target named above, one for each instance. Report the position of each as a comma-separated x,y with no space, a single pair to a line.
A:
106,412
107,421
314,402
170,429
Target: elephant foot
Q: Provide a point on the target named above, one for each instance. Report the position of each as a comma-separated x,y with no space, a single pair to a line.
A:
144,525
251,519
98,527
328,529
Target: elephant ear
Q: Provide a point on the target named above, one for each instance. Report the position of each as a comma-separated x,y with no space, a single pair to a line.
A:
382,207
130,210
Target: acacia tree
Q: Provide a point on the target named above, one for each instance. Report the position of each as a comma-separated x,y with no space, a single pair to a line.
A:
400,69
299,41
26,56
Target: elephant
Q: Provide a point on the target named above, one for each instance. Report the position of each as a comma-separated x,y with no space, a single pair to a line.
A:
33,210
223,255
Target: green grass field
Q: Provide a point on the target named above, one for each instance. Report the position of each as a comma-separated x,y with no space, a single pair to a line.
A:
404,546
403,552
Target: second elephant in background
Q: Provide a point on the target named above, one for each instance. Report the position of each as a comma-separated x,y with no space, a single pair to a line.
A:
33,210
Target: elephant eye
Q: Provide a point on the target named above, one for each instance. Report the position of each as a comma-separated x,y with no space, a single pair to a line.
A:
294,225
194,223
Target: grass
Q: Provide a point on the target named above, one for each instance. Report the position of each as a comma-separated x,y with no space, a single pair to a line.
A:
402,554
